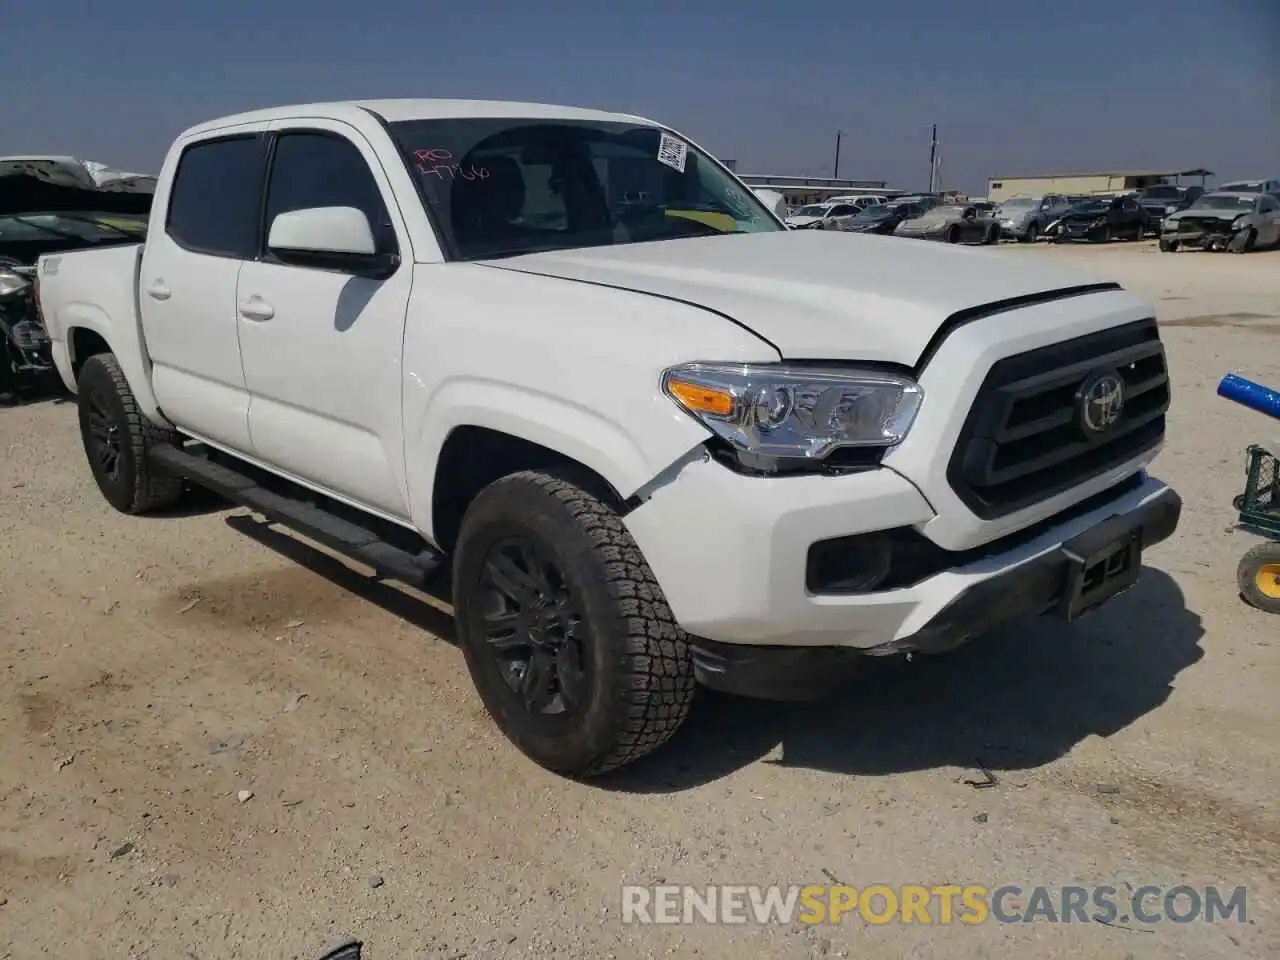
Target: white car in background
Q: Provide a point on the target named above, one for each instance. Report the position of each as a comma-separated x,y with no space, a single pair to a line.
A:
821,216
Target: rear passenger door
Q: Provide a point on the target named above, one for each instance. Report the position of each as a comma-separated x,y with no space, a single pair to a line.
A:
187,283
322,345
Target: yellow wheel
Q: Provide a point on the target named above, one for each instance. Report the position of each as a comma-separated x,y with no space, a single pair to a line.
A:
1258,577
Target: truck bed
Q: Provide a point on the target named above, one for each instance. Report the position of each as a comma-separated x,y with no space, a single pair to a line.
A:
95,291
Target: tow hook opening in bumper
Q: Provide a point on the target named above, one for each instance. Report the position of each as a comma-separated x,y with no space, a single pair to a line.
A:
1079,576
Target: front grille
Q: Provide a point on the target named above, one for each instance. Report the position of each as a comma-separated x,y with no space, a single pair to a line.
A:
1023,441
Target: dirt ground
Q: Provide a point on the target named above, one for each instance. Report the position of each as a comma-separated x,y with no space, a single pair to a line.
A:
152,669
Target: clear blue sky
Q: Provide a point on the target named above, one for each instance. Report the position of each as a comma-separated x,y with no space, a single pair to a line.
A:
1015,86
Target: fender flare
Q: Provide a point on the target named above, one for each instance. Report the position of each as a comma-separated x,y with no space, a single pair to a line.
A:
570,429
124,342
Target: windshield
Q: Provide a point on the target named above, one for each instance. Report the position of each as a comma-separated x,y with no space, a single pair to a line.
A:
1212,202
812,210
1162,193
1244,187
68,230
1018,203
1093,205
875,212
944,213
500,187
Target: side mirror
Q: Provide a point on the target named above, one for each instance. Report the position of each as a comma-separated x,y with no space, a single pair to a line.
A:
335,238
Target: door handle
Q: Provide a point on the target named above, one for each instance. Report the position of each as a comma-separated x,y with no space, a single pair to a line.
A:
255,308
159,291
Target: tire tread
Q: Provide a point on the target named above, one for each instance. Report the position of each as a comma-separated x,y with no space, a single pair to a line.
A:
152,489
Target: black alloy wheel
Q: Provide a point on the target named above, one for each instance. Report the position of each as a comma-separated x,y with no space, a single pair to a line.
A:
532,626
103,442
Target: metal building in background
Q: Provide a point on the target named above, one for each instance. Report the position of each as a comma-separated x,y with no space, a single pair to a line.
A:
802,190
1119,181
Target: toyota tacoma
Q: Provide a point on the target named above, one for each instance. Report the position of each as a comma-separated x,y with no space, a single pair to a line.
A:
654,438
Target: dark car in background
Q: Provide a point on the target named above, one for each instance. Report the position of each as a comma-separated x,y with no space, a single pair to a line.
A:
882,218
49,206
1101,220
1165,199
951,223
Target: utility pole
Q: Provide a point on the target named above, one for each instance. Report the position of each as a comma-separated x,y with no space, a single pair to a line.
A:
835,174
933,159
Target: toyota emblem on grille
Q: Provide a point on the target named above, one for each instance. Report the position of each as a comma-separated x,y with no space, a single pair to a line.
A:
1100,402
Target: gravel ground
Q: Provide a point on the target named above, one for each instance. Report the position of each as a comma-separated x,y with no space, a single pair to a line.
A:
154,670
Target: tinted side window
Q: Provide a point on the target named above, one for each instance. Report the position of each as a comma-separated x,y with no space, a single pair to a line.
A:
325,170
215,198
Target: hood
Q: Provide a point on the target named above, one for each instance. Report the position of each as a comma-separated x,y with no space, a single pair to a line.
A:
1075,216
814,295
1207,214
1015,213
40,184
801,221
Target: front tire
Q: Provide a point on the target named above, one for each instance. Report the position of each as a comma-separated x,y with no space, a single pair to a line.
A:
565,630
1258,577
117,437
1242,242
1168,246
1032,233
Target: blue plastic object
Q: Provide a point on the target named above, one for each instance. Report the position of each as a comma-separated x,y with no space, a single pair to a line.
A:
1252,395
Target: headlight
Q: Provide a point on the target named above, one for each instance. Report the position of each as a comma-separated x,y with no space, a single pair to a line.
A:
774,411
12,282
1170,209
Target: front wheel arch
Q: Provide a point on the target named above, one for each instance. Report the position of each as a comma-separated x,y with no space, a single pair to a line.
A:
474,457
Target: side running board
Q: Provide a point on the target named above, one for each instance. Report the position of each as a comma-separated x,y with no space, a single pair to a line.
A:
352,539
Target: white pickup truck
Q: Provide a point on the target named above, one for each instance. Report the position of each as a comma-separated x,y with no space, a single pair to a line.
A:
660,439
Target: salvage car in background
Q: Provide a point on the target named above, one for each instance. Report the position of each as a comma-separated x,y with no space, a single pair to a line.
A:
1251,186
52,205
1238,222
882,218
821,216
1025,218
953,223
1101,220
1165,199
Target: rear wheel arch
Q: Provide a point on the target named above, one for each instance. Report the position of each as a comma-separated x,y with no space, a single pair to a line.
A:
84,343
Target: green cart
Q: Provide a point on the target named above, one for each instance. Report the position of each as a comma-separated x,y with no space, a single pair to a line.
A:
1258,574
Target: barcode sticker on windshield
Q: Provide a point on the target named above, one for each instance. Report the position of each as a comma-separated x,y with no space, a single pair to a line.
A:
672,152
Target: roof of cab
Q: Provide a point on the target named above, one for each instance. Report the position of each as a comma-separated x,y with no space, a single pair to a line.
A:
408,109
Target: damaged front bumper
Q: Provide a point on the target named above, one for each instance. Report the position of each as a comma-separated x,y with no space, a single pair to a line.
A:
1204,234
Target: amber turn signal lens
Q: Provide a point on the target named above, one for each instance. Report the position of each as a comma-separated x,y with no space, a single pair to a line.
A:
697,398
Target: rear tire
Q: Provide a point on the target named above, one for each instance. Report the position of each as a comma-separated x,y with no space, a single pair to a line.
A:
566,633
117,438
1258,577
1168,246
